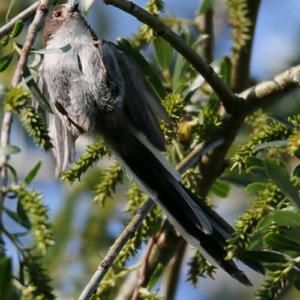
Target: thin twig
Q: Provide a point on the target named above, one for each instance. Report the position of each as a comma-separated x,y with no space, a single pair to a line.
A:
143,269
115,249
167,244
230,101
241,59
24,15
30,37
17,77
173,272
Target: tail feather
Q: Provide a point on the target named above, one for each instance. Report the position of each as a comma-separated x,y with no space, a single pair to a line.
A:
197,222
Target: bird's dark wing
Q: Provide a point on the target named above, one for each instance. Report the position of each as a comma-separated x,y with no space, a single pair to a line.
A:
139,104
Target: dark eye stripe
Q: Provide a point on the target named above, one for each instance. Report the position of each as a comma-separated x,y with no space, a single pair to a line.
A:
79,63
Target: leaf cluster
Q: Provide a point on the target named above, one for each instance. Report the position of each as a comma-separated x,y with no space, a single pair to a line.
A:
18,100
145,33
270,227
239,21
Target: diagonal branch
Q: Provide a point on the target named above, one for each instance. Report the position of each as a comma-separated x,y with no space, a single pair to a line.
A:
230,101
24,15
115,249
41,11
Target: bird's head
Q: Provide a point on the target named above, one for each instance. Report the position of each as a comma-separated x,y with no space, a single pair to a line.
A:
65,17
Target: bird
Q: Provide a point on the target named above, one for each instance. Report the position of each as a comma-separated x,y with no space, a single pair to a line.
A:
95,88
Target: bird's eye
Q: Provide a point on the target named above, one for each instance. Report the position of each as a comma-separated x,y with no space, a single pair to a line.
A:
57,14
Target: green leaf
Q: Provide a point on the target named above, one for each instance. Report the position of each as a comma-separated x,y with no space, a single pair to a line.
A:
150,74
221,189
213,103
24,220
281,178
258,171
5,61
5,277
155,276
225,69
266,256
296,171
237,181
280,242
4,41
17,217
17,29
8,150
282,121
254,161
296,281
291,232
205,6
33,172
286,218
180,65
13,172
297,153
163,52
255,187
279,143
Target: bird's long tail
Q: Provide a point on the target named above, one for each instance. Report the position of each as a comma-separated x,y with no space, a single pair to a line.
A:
197,222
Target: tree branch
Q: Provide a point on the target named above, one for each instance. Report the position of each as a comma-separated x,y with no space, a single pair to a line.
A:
159,252
174,272
41,10
143,269
115,249
205,25
208,29
230,101
24,15
267,91
241,59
